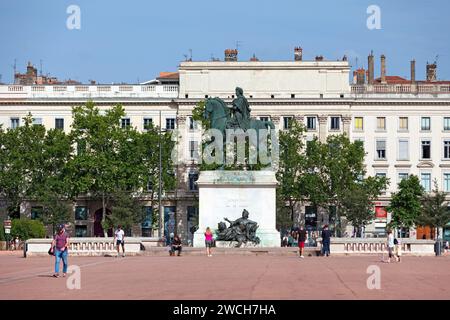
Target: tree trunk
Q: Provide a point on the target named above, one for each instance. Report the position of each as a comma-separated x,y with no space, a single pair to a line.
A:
153,212
292,210
105,231
338,218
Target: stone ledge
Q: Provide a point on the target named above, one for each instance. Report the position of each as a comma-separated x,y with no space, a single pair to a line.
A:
233,244
237,178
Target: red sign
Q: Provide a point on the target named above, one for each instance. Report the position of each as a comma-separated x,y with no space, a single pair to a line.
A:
7,224
380,212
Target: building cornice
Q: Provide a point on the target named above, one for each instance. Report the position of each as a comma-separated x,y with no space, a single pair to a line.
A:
191,102
334,102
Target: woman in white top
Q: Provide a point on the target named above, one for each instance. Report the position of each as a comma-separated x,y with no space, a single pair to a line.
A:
119,239
390,245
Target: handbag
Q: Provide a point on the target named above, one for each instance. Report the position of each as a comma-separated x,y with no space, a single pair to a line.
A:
51,251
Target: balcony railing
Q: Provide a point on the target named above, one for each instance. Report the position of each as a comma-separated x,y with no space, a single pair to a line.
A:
401,88
88,91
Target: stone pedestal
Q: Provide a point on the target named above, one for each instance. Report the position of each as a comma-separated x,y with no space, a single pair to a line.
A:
225,194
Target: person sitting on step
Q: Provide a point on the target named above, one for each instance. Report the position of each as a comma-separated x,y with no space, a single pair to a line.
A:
176,246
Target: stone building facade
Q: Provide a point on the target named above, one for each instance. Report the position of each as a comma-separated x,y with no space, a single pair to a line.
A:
405,126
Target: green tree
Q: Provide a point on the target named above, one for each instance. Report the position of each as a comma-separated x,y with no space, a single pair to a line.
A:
52,187
151,140
2,234
333,168
96,170
20,162
357,202
434,211
197,114
111,159
126,211
406,203
33,163
26,229
291,173
55,210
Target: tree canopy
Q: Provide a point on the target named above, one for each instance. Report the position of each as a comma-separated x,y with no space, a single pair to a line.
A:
405,204
99,159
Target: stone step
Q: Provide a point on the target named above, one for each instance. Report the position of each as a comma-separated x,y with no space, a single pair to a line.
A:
309,251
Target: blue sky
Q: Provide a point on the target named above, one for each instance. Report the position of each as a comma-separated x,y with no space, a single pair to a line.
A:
127,41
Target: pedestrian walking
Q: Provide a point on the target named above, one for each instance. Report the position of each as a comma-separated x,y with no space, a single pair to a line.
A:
119,240
301,241
390,245
208,241
16,243
326,238
60,249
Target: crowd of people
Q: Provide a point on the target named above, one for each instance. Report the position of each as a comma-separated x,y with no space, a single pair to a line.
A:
297,237
290,238
15,244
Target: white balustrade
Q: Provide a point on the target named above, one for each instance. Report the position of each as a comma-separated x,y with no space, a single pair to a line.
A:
86,246
378,245
401,88
91,91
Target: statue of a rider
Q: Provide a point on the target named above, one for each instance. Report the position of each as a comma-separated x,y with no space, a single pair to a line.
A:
241,112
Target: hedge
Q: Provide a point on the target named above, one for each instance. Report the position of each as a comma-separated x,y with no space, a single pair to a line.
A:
26,229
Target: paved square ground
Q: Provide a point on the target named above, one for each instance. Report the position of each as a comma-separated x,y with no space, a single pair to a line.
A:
226,277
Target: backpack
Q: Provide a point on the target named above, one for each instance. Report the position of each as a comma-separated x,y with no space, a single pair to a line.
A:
395,241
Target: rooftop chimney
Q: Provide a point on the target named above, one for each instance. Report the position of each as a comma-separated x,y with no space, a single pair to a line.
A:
383,69
231,54
298,54
254,58
370,68
413,71
31,70
360,76
431,72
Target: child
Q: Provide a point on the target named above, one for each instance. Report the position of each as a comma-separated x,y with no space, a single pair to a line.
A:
398,250
208,241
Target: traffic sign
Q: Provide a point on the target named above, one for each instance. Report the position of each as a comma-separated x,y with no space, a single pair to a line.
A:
7,224
7,230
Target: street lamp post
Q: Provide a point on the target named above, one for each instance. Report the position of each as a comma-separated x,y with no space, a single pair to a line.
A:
7,228
161,218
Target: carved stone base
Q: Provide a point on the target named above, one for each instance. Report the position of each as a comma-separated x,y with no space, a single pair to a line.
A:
232,244
228,193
